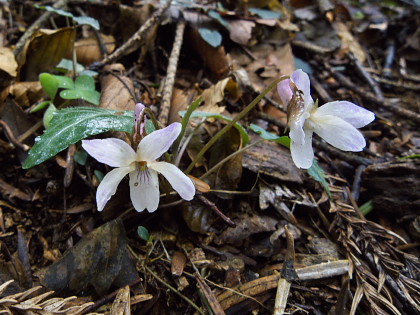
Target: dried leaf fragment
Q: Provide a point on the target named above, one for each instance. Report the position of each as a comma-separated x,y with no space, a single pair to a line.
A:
97,259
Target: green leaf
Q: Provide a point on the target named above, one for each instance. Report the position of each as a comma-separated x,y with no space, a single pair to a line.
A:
412,156
87,20
283,140
150,127
143,233
81,156
48,115
84,89
49,84
317,173
70,125
64,82
99,175
199,114
212,37
194,105
84,82
93,97
78,20
265,14
216,15
40,106
366,207
67,64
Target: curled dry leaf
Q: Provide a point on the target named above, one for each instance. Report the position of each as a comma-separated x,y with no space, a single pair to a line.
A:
241,31
214,58
116,94
198,217
88,49
8,66
121,304
348,42
214,95
247,224
229,174
44,51
26,93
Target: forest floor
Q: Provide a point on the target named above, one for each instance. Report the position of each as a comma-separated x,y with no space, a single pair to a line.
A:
261,235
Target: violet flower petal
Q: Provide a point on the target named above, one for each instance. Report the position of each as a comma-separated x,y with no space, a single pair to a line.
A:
158,142
109,184
353,114
144,190
112,151
284,91
303,154
182,184
338,133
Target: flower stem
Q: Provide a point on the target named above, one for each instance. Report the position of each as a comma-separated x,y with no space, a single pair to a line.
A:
231,123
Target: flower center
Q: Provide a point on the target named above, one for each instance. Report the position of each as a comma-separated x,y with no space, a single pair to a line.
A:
143,173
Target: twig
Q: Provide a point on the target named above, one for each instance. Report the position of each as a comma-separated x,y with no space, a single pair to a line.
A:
389,59
357,182
168,87
216,210
12,137
134,40
71,151
37,24
312,47
288,274
325,96
372,83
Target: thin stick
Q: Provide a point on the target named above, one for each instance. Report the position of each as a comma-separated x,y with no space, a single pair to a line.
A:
12,137
362,71
135,39
165,104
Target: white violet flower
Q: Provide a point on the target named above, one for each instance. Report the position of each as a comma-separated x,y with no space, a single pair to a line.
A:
141,166
335,122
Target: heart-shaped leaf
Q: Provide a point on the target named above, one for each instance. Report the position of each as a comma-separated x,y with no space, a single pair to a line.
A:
73,124
86,95
213,37
51,83
84,89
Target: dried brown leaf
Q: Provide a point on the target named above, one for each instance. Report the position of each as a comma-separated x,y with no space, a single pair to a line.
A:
240,31
214,58
97,259
26,93
117,89
8,66
44,51
88,49
121,304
